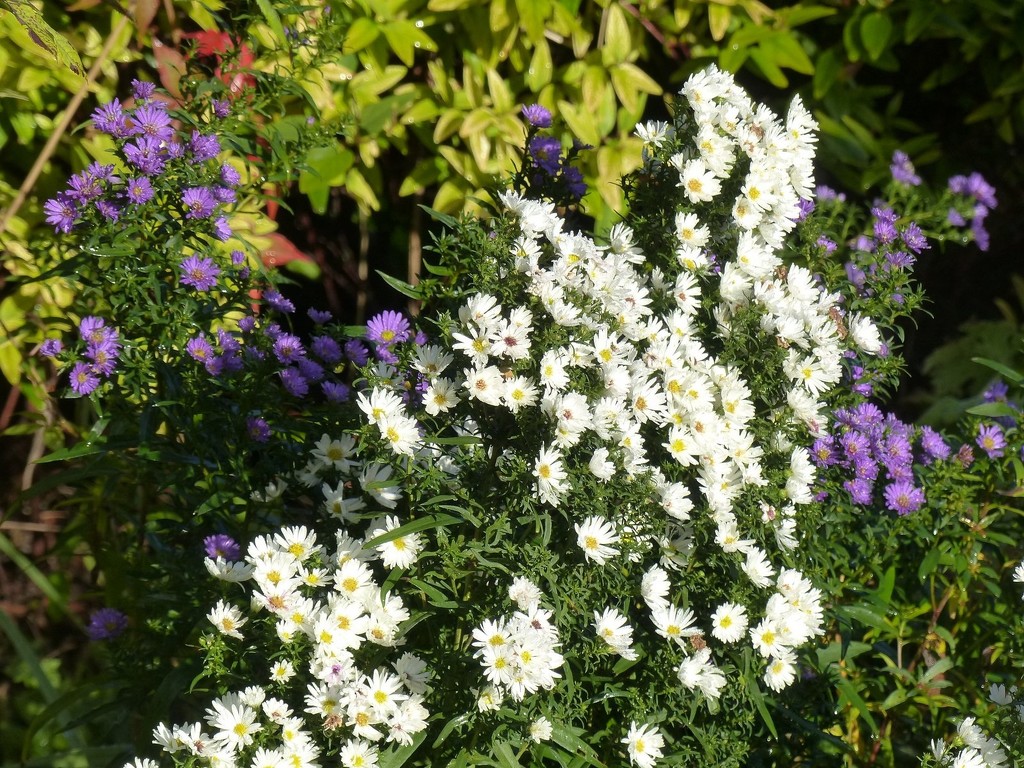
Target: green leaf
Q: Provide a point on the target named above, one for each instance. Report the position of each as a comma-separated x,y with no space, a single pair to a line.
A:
719,17
401,286
414,526
826,73
450,726
541,68
569,739
361,34
863,614
762,708
435,596
939,667
405,38
848,695
787,52
886,585
618,42
999,368
396,758
505,754
765,60
272,18
44,36
444,218
992,410
875,31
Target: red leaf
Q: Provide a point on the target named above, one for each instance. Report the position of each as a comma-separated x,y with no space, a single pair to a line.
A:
281,251
171,66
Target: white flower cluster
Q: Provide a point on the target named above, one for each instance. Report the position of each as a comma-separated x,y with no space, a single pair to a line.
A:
519,653
977,749
335,602
652,380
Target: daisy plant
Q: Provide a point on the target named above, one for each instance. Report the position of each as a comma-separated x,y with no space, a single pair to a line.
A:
562,514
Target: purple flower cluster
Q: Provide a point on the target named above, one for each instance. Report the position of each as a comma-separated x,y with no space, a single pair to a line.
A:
102,349
297,364
150,147
903,170
983,196
876,449
547,170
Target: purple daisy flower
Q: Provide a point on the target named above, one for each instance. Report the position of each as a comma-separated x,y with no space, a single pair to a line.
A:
139,190
545,152
111,119
142,90
223,194
106,624
229,175
294,382
51,347
146,154
326,348
203,147
84,379
357,352
83,187
336,392
388,327
822,452
855,445
199,272
277,301
310,369
903,170
175,150
199,349
94,329
221,229
288,348
152,120
108,210
221,108
385,355
991,440
223,546
981,190
914,238
536,115
199,202
860,490
61,212
258,429
319,316
934,447
884,225
103,355
902,497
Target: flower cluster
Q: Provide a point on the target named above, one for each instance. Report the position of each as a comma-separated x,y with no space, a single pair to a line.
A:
876,450
150,146
324,608
982,196
972,748
101,349
548,169
635,391
519,653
